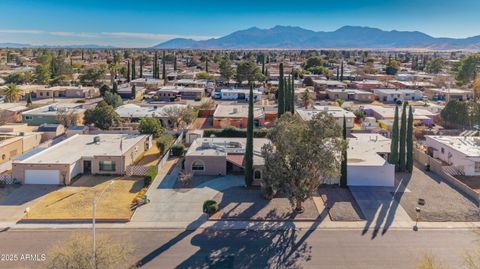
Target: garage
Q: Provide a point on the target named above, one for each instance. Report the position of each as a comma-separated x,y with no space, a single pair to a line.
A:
42,177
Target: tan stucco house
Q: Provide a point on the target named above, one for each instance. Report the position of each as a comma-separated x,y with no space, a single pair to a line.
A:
102,154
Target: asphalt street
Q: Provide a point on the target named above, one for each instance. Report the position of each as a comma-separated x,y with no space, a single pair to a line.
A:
262,249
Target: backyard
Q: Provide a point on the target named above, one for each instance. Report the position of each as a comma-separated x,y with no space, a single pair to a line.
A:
74,203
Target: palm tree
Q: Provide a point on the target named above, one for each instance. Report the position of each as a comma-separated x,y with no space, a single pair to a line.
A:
12,93
306,98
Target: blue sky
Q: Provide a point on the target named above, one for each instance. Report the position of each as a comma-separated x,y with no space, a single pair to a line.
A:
143,23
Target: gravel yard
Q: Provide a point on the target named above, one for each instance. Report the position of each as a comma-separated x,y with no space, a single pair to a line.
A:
343,206
442,201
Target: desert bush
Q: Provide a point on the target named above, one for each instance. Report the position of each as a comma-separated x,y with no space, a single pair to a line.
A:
177,150
210,207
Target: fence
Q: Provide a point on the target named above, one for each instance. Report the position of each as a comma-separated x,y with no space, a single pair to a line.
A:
140,170
7,179
444,171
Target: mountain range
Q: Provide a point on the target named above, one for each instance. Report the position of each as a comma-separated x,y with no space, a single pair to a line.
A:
22,46
347,37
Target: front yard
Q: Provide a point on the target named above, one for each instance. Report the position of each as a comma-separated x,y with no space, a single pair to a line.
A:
74,203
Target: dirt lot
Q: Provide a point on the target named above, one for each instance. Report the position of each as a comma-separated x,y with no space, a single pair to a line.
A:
442,201
342,206
75,202
151,157
248,204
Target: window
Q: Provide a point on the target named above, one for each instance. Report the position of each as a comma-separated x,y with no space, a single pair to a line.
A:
28,117
442,150
477,167
198,166
107,166
257,174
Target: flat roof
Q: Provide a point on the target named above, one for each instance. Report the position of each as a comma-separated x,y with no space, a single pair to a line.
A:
389,112
223,146
468,145
237,111
364,149
136,111
334,111
356,91
396,91
450,91
74,148
53,109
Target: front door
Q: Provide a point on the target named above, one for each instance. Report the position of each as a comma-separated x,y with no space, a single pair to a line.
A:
87,167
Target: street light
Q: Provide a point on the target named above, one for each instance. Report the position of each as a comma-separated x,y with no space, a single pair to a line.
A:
417,209
94,258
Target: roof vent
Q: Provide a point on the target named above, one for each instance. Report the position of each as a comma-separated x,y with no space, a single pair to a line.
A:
96,139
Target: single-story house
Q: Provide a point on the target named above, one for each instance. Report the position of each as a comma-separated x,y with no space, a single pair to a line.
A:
350,95
367,161
337,112
49,113
14,144
381,113
437,94
394,95
220,155
238,94
237,116
170,93
460,152
103,154
11,112
135,112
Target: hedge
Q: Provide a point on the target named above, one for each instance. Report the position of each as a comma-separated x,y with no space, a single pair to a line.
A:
150,176
177,150
234,132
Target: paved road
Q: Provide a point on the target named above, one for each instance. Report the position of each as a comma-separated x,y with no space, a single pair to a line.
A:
264,249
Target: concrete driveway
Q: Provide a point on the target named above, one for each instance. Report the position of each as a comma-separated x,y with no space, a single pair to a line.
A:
172,205
18,198
380,208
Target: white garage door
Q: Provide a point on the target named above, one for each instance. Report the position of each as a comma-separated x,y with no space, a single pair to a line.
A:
42,177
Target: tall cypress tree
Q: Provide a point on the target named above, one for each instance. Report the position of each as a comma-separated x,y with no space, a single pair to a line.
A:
128,70
249,146
393,158
164,70
341,71
115,87
281,93
141,66
155,65
343,176
403,133
206,64
134,71
263,65
410,140
175,63
29,100
292,96
287,84
338,73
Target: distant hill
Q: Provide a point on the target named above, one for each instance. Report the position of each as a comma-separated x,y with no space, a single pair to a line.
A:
21,46
288,37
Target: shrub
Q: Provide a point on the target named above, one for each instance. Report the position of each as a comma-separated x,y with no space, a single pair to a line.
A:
177,150
150,176
164,142
172,99
235,132
210,207
198,99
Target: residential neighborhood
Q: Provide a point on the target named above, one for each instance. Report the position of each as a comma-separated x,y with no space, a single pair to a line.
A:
265,148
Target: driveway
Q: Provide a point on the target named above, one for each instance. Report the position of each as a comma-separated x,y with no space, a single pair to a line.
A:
168,204
18,198
380,208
